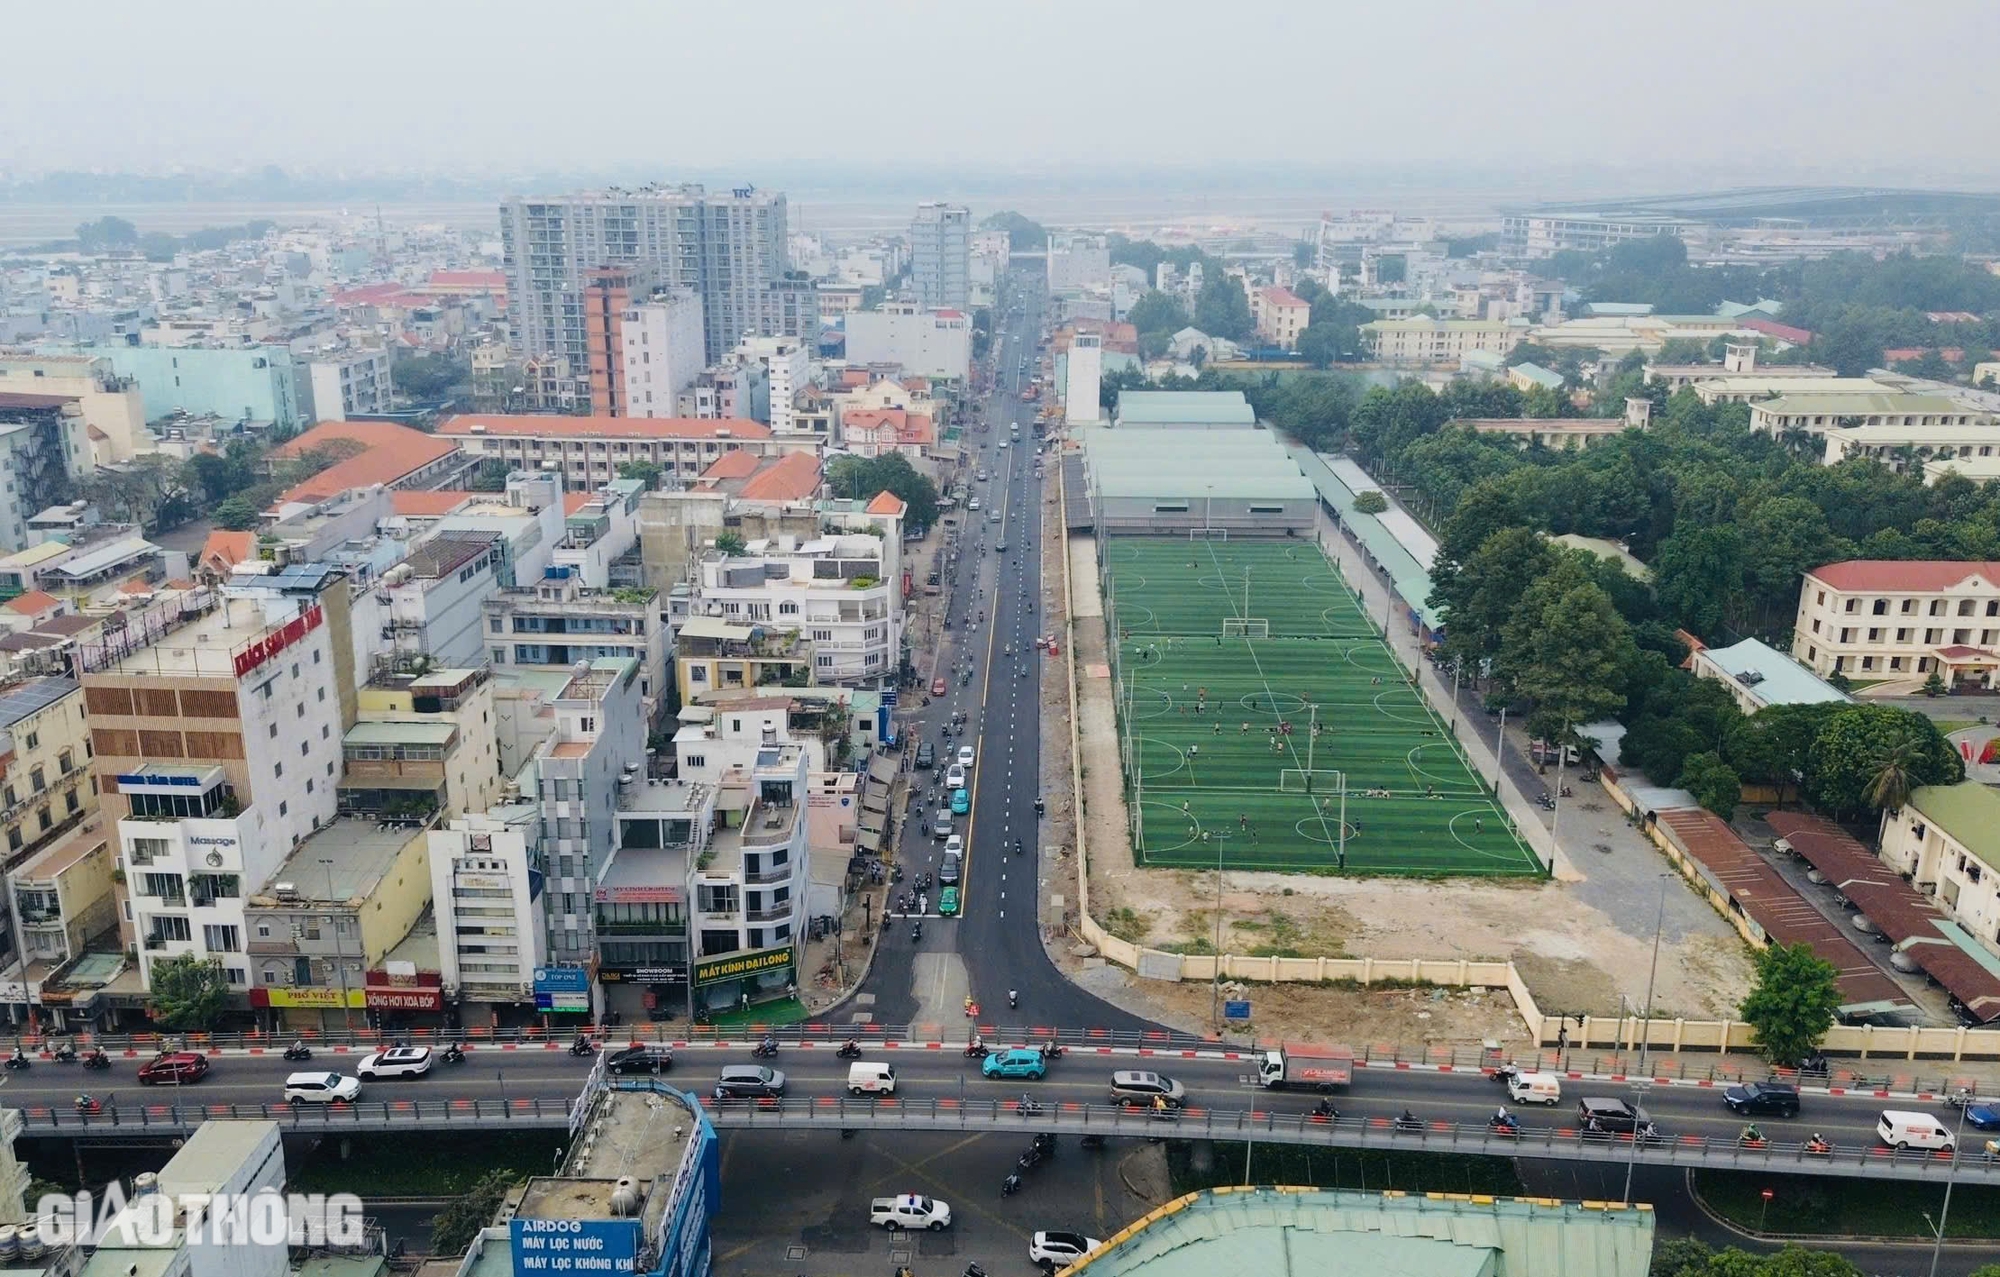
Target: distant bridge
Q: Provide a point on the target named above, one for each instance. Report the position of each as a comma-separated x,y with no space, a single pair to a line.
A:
1972,1165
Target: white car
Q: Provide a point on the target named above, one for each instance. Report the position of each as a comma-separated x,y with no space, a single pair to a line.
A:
954,846
321,1088
397,1061
911,1210
954,777
974,503
965,755
1059,1250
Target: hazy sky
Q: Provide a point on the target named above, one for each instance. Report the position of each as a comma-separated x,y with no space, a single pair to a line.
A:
1833,88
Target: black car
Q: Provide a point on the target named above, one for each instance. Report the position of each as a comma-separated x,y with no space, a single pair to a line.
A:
639,1058
926,756
1763,1099
1596,1113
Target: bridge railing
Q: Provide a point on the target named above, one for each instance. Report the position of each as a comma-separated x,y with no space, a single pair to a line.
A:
1840,1075
68,1119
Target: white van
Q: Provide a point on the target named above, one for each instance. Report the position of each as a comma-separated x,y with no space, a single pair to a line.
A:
1535,1088
1901,1130
865,1077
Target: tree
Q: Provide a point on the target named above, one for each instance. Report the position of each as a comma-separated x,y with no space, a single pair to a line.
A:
1156,312
1793,1002
729,542
1712,782
647,472
491,476
1771,747
1934,685
454,1227
107,233
1222,310
1565,649
1479,597
1698,576
1691,1257
861,478
1022,233
1370,502
190,993
1850,347
1865,753
428,376
1320,344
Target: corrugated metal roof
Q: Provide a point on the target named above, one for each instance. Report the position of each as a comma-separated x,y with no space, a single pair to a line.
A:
382,733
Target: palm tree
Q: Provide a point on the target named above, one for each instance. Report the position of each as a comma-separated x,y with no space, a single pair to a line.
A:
1891,773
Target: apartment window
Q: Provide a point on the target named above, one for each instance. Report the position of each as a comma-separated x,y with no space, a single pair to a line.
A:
1909,606
695,760
64,764
1881,607
1902,636
277,769
221,939
34,740
1937,607
1965,607
171,926
1853,605
36,780
274,731
322,695
47,821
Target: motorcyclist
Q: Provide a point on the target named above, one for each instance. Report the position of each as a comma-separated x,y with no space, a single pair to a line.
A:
1817,1144
85,1104
976,1046
1751,1135
1013,998
769,1045
852,1046
1501,1117
1407,1119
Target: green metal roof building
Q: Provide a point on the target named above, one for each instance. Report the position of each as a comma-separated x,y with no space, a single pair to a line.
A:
1309,1232
1165,481
1204,409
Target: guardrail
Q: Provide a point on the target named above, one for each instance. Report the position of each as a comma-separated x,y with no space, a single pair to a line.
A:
1841,1077
835,1113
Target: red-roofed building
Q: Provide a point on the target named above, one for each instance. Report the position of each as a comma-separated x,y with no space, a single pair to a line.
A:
468,283
1280,315
27,611
588,450
1772,328
1910,354
876,432
792,477
887,502
390,455
1902,619
429,505
222,552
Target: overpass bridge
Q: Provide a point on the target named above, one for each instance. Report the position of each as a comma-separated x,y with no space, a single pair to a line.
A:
833,1114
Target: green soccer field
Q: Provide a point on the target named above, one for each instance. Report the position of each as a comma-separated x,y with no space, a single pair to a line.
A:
1250,685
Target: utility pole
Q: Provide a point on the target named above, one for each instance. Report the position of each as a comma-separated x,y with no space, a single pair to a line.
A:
1646,1026
1215,963
339,950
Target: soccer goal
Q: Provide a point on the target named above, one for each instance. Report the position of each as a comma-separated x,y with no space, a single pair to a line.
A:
1319,780
1246,627
1208,534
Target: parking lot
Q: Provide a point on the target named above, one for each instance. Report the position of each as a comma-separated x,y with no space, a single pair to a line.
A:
797,1202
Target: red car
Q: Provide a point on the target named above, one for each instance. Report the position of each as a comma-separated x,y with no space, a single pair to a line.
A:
937,687
174,1067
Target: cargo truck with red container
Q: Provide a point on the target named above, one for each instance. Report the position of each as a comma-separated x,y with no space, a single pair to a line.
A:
1301,1066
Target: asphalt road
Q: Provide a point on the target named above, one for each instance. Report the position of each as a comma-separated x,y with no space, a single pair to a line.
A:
994,945
1080,1077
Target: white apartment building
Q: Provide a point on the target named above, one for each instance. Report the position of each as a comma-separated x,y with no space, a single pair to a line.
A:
1078,263
1816,414
433,597
1546,234
1946,841
665,350
221,1159
841,591
940,254
558,622
587,451
351,383
1082,376
787,363
490,924
1875,618
927,343
222,744
1907,448
599,739
1423,340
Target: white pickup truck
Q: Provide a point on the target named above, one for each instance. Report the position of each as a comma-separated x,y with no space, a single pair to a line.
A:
909,1211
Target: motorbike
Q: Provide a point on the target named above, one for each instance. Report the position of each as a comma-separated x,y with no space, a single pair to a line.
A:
1030,1159
1013,999
454,1054
1046,1143
1546,803
849,1050
1819,1145
1506,1073
581,1047
1566,791
1324,1111
65,1054
916,931
1017,846
1408,1122
1052,1051
87,1106
1750,1137
1039,807
19,1060
1958,1099
1010,1186
765,1050
1028,1106
1504,1123
1814,1063
97,1060
975,1050
298,1051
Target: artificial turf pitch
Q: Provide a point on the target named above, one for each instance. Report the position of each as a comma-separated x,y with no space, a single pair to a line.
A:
1202,715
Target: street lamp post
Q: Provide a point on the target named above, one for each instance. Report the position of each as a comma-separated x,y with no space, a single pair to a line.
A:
1646,1025
339,950
1499,751
1639,1088
1215,962
1951,1176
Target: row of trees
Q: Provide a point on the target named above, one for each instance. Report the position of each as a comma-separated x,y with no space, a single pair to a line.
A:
235,486
110,234
861,478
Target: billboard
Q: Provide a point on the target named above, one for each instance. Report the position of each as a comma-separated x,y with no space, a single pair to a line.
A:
734,966
574,1247
562,989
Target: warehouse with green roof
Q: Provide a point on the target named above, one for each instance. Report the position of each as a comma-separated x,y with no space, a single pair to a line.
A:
1293,1232
1164,480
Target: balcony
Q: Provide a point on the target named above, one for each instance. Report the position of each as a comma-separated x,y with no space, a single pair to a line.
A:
664,930
769,913
768,872
271,947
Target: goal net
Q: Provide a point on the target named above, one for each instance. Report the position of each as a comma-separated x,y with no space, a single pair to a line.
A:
1208,534
1320,780
1246,627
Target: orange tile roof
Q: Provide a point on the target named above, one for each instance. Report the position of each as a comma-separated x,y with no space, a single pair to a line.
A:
1904,576
546,427
887,502
1277,296
224,550
368,295
32,603
574,501
792,477
429,504
737,463
393,452
913,429
137,585
492,280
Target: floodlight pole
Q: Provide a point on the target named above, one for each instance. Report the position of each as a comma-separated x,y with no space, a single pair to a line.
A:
1343,819
1215,961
